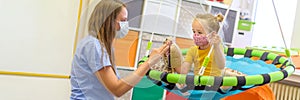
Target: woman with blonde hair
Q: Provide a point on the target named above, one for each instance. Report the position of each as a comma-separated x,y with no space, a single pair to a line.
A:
93,74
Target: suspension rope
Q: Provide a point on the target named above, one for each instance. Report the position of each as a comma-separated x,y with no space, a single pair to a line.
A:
287,52
149,45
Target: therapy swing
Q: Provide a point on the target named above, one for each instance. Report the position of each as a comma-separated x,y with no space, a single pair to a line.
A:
197,85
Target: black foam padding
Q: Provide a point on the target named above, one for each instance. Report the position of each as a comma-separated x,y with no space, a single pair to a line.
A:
283,64
158,83
267,78
170,86
292,66
285,73
199,79
264,56
189,80
230,52
218,81
276,60
164,77
248,53
235,88
202,87
241,80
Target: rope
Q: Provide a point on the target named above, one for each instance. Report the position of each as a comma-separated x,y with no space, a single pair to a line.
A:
151,39
287,52
275,10
206,60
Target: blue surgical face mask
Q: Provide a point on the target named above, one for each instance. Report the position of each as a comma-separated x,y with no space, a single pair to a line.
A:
124,28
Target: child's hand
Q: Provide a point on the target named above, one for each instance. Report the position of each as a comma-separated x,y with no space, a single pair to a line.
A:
214,38
231,72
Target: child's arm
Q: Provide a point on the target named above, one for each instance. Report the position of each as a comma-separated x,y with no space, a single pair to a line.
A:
184,69
219,58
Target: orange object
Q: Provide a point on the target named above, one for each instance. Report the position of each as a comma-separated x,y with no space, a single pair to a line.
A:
125,49
258,93
263,92
132,52
296,61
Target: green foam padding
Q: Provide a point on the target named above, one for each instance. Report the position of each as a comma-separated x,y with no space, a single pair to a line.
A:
172,78
276,76
254,79
230,81
207,80
239,51
155,74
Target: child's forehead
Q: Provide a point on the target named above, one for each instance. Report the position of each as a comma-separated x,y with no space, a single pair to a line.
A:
198,27
197,23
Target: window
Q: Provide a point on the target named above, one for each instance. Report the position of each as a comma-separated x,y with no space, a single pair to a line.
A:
188,10
135,10
229,24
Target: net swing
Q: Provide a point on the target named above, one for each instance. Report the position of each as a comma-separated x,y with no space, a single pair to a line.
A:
249,73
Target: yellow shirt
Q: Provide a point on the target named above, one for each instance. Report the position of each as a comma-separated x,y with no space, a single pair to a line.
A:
196,56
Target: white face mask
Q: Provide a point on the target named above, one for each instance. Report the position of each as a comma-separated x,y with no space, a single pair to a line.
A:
124,28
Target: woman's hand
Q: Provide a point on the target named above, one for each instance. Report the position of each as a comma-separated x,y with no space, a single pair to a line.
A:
157,53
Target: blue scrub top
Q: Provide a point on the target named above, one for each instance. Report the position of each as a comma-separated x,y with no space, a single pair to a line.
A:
87,60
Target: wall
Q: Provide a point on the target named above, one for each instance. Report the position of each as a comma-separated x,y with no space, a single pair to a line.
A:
266,30
296,33
36,36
